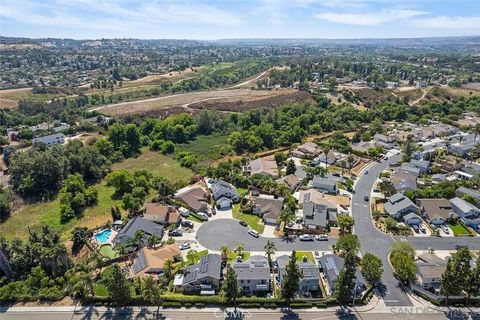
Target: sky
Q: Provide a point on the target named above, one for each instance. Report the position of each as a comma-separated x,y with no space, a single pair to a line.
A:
220,19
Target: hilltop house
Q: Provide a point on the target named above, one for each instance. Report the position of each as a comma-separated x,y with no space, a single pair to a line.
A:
57,138
307,150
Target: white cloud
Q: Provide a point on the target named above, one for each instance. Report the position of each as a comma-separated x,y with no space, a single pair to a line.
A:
99,14
368,19
444,22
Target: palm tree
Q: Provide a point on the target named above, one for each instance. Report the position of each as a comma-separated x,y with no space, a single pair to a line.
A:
460,139
168,268
239,249
286,216
269,250
153,240
138,238
342,165
350,161
225,251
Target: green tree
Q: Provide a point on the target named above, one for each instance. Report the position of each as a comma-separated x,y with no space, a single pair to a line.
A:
387,188
290,167
291,279
151,290
346,278
402,259
118,286
269,250
347,243
345,223
79,238
473,281
371,267
456,274
230,290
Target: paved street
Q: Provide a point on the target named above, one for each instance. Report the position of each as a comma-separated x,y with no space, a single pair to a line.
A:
229,232
150,313
375,241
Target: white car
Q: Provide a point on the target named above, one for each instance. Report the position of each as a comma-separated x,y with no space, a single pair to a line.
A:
185,246
306,237
184,212
253,233
322,237
446,229
203,216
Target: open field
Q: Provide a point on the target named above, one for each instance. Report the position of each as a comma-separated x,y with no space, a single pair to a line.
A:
206,148
225,100
157,164
48,213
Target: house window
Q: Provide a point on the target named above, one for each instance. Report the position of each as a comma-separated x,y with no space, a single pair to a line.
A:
248,281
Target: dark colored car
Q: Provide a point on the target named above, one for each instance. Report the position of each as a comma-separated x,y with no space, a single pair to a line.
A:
243,223
187,224
175,233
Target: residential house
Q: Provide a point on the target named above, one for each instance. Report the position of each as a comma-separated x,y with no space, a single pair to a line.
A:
404,180
268,208
57,138
253,275
422,165
467,172
412,219
300,173
363,146
146,227
464,191
330,266
194,198
150,262
330,158
224,194
429,271
468,213
161,213
265,166
307,150
436,211
340,202
203,277
310,280
448,164
292,181
407,168
327,185
399,205
463,148
384,141
319,215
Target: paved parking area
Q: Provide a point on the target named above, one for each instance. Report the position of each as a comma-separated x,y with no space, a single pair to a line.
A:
269,231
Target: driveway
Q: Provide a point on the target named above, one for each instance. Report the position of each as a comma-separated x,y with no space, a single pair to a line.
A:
269,231
215,233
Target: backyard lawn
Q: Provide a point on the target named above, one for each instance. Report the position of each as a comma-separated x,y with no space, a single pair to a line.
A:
232,256
458,229
253,221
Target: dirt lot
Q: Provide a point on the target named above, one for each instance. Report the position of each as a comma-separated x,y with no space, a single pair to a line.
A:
224,100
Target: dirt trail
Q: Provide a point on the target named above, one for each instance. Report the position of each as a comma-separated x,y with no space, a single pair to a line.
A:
424,93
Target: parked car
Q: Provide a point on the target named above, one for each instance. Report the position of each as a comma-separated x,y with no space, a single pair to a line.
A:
322,237
203,216
366,198
175,233
243,223
415,228
253,233
317,254
184,246
184,212
423,229
460,246
187,224
306,237
446,229
365,172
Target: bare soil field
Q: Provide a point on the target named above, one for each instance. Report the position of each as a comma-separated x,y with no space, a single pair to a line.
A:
225,100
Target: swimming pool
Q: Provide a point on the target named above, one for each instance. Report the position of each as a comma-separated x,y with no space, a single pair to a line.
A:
103,236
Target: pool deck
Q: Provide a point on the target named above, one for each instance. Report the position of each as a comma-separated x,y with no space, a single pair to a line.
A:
109,241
